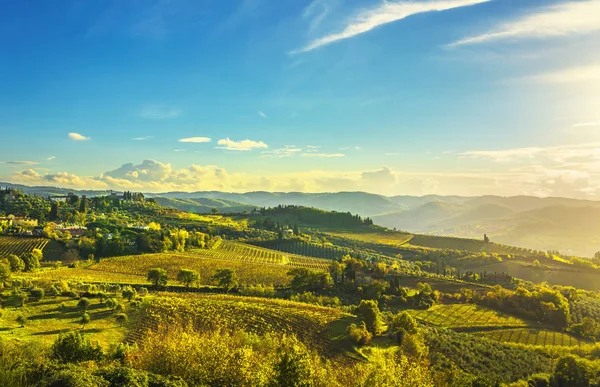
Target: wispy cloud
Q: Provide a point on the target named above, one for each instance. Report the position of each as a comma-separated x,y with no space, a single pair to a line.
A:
26,162
286,151
387,12
78,137
586,124
159,112
559,20
178,150
262,114
243,145
51,158
195,139
569,75
142,138
323,155
560,153
316,12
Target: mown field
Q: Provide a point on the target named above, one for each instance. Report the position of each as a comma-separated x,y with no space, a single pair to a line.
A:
20,245
489,323
315,325
253,266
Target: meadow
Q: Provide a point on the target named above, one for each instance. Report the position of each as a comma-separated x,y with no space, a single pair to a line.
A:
52,315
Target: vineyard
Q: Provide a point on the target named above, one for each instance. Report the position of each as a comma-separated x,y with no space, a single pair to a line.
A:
259,315
494,325
466,316
252,265
531,336
384,238
20,245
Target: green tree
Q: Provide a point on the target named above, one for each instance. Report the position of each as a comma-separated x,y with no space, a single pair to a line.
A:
188,277
226,278
85,318
128,292
21,320
16,263
32,260
571,372
158,277
83,303
22,297
5,273
371,315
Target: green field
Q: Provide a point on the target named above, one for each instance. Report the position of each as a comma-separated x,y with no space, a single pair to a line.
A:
391,238
253,266
46,319
489,323
315,325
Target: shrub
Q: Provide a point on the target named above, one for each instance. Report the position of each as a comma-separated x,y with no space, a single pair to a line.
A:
73,347
128,292
121,319
369,311
37,293
83,303
359,334
21,320
85,318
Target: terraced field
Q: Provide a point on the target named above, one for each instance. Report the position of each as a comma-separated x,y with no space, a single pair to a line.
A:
310,323
20,245
489,323
253,266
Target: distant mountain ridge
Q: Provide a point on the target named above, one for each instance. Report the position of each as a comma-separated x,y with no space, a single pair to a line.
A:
564,224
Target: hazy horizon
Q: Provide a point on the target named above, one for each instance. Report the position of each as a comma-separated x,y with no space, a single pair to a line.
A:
448,97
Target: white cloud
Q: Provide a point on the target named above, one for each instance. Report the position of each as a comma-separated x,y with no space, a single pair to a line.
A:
287,151
569,75
156,112
243,145
195,139
142,138
316,12
559,153
323,155
586,124
178,150
78,137
558,20
25,162
51,158
262,114
386,12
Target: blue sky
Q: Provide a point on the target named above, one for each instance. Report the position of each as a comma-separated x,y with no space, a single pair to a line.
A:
442,96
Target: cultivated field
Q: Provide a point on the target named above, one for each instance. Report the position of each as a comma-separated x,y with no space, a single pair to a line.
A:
20,245
311,323
489,323
253,266
391,238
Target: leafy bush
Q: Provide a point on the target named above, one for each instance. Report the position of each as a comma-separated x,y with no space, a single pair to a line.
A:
359,334
73,347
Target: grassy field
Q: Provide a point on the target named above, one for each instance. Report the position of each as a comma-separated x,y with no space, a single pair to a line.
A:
317,326
47,318
253,266
392,238
488,323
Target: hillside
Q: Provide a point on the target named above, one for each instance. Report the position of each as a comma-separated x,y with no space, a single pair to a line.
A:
204,205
